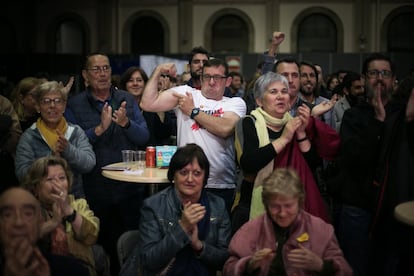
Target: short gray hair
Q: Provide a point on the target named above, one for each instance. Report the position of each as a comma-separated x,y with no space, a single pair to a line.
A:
264,81
285,182
48,87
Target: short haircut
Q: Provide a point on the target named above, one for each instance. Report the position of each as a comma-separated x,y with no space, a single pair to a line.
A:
349,78
238,74
263,82
48,87
88,58
216,62
39,170
285,182
285,60
377,56
184,156
311,65
198,50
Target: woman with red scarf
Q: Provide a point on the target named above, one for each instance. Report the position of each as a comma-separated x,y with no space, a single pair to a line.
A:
271,138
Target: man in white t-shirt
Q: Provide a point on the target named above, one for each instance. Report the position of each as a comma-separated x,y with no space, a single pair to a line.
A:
204,117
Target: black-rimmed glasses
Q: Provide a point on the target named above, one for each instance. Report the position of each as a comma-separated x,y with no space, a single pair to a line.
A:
214,77
49,101
99,69
386,74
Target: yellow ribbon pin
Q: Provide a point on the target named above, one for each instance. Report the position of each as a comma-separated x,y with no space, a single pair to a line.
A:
302,238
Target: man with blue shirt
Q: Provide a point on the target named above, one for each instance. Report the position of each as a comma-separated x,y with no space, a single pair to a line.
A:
113,122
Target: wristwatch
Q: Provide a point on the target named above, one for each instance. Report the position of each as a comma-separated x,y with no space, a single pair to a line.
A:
71,218
194,112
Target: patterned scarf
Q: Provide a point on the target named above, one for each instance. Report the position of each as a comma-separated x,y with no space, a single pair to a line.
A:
263,119
59,241
49,134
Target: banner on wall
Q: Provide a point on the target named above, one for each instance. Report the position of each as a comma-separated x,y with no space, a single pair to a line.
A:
234,63
149,62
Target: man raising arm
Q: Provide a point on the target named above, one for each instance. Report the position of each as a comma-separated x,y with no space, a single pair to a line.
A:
204,117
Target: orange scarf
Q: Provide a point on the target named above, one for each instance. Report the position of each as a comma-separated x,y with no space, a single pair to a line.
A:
49,134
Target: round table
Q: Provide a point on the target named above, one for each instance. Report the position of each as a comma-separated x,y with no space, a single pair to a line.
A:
404,212
128,173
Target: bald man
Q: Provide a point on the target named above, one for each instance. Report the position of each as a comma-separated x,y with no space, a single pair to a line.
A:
20,222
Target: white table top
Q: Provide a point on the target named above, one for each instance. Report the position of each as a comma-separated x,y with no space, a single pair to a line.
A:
147,176
404,212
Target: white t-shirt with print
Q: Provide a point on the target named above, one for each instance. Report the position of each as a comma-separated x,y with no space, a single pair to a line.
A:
219,151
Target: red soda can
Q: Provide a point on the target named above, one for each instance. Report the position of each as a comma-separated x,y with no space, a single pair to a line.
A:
150,157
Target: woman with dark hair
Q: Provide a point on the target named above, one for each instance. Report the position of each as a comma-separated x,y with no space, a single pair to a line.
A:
184,230
161,125
331,83
133,80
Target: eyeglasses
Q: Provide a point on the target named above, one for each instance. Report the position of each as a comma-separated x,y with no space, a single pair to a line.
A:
216,78
386,74
198,61
49,101
99,69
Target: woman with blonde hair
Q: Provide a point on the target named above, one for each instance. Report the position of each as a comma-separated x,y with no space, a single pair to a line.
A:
285,240
52,135
70,227
24,103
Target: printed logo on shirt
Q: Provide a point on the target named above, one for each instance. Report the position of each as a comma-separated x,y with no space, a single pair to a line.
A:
215,113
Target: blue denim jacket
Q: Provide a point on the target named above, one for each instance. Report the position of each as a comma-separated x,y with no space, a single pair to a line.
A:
161,236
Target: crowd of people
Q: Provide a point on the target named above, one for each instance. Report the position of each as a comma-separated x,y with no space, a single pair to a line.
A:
288,173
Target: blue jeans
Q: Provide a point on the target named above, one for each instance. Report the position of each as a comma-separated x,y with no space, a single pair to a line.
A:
353,237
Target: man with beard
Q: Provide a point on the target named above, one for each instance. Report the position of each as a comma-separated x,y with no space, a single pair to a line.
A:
353,88
376,168
198,57
236,86
289,68
309,89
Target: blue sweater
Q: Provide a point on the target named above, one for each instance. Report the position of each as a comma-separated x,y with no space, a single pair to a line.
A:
85,110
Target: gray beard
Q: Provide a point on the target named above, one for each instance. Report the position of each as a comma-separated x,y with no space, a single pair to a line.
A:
385,94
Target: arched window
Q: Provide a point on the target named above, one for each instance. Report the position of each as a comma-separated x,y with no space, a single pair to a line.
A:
230,34
317,33
70,38
147,36
401,32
